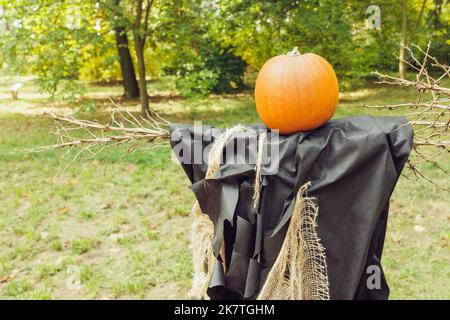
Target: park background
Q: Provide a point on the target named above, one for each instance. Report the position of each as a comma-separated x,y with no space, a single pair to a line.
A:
118,227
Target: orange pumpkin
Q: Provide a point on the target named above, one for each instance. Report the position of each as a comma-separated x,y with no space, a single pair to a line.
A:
296,92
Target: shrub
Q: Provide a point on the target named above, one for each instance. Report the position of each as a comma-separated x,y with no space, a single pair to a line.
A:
210,69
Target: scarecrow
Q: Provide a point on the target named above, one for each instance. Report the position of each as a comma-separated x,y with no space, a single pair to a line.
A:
296,208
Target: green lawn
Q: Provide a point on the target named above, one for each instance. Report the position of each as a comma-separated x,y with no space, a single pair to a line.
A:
81,233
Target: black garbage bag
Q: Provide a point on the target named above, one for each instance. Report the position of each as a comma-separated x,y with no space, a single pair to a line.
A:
353,165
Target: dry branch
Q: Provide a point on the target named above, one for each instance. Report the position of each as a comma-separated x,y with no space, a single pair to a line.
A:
136,132
90,138
430,119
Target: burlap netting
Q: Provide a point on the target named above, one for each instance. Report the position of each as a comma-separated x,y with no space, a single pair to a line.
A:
300,270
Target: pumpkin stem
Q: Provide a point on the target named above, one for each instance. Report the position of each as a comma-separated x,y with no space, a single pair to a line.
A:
294,52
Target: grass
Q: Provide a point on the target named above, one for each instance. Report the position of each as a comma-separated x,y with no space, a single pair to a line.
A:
83,233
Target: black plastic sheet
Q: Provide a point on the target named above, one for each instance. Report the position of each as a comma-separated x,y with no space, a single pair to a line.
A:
353,165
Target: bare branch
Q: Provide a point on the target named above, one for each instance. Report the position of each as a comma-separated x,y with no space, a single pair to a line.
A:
431,119
102,135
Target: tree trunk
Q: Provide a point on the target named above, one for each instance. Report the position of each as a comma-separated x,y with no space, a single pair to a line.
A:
139,47
130,84
139,35
419,19
402,64
5,26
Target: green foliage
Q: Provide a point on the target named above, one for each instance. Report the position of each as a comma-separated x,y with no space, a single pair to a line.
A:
211,70
208,44
228,67
52,40
334,29
193,80
193,53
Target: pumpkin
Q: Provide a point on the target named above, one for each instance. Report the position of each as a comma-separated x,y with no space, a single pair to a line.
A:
296,92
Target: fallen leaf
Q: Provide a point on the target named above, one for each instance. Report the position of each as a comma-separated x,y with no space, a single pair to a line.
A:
9,277
63,210
105,206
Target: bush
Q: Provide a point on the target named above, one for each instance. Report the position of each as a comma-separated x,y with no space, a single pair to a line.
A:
210,69
228,68
196,81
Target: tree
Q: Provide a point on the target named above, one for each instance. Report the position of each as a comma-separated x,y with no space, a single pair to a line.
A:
202,65
51,40
65,43
135,16
259,30
419,19
59,42
140,34
130,84
403,44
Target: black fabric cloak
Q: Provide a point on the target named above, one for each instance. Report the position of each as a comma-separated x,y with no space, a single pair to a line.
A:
353,165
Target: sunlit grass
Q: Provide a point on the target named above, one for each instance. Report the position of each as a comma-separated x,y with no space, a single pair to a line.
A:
84,233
